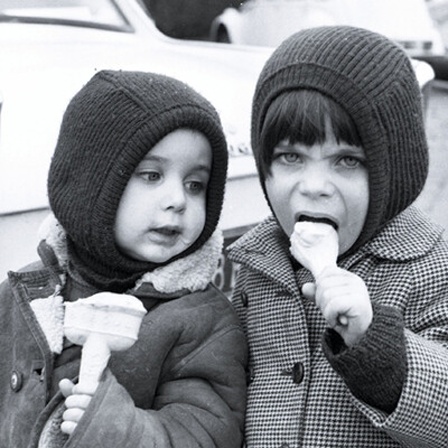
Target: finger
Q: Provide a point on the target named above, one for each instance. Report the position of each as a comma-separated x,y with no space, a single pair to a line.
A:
66,387
346,315
328,280
86,388
78,401
337,291
309,290
68,427
334,310
73,415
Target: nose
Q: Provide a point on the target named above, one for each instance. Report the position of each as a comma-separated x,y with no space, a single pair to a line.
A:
315,182
175,198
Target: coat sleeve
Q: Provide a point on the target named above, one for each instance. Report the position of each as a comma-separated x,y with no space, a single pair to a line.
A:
203,406
420,416
374,369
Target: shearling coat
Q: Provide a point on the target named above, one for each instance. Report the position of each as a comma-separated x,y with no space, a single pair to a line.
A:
182,384
296,398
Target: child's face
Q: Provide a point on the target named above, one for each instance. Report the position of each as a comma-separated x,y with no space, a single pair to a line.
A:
328,180
163,208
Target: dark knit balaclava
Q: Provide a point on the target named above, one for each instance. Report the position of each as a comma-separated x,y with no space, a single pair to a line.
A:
373,80
107,129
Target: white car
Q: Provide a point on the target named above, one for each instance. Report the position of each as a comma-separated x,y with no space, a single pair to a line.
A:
49,49
268,22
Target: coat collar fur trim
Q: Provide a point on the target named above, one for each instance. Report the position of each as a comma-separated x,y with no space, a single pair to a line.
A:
193,272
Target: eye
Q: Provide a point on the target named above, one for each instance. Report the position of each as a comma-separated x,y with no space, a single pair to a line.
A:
287,157
195,187
290,157
351,162
149,176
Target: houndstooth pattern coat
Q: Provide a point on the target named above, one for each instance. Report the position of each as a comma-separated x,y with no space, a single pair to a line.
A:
295,398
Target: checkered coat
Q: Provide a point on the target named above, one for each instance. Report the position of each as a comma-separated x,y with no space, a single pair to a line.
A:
295,397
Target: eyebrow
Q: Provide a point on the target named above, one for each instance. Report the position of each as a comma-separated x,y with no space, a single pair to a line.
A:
357,150
152,158
285,144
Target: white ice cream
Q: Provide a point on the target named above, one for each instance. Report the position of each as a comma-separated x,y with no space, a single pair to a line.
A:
102,323
314,245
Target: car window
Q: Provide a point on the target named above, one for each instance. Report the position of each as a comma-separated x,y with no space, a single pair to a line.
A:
98,13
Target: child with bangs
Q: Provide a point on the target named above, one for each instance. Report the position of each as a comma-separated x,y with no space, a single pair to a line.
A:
355,354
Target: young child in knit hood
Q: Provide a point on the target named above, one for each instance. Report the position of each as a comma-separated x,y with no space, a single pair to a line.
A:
356,355
136,187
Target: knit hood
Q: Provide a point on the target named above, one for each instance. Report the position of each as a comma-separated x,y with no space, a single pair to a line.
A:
372,79
107,129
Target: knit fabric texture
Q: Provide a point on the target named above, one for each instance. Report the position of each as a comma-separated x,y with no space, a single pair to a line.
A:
372,78
107,129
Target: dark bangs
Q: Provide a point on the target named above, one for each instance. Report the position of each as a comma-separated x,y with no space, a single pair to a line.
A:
301,116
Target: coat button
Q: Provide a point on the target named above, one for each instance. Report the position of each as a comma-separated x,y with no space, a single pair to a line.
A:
250,375
244,299
16,381
298,372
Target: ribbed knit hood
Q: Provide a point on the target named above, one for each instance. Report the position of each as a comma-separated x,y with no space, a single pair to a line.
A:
107,129
373,80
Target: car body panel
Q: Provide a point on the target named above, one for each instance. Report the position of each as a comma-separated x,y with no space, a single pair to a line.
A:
268,22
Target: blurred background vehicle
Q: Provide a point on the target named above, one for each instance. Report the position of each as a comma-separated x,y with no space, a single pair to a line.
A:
186,19
50,48
268,22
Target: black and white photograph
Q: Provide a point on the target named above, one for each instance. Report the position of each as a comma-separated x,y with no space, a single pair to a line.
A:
223,223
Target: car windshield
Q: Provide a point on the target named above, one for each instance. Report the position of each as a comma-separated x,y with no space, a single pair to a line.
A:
97,14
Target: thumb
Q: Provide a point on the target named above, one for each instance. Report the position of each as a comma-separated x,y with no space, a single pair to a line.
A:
309,290
66,387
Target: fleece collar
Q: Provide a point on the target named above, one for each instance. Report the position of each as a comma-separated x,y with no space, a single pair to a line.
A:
189,274
192,273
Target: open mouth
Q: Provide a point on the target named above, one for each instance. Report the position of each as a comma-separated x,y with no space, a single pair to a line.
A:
320,219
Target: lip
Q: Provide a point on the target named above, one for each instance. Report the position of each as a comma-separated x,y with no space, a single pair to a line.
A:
317,217
164,234
167,230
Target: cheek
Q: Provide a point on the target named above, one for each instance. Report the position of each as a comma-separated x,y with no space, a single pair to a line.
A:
272,191
357,208
194,216
362,199
275,186
198,215
135,200
277,193
123,225
128,210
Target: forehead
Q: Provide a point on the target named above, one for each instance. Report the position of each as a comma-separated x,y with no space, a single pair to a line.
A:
181,147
